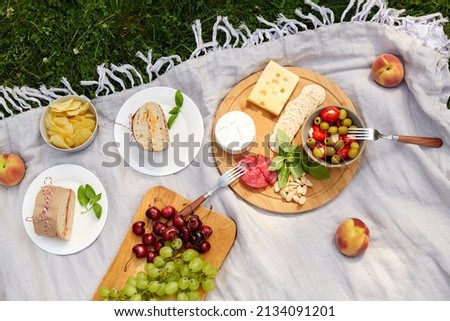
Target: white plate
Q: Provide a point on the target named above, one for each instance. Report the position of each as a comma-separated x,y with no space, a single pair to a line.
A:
186,134
86,227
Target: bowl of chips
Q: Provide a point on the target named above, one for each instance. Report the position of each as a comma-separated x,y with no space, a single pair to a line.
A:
69,123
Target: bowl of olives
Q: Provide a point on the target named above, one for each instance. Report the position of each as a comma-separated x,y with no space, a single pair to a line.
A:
324,136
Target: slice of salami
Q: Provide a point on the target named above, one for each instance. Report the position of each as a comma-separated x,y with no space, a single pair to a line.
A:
254,178
258,174
270,176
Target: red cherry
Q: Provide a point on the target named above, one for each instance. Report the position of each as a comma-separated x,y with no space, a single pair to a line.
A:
184,233
140,250
188,245
151,256
158,245
148,239
204,247
168,211
197,238
158,228
194,222
170,233
138,228
206,231
179,221
153,213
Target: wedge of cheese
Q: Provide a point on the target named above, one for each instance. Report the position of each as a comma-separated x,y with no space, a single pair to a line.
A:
273,88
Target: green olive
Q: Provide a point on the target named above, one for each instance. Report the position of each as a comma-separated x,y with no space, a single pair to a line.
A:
317,120
347,122
353,152
318,152
339,144
335,159
324,125
329,151
354,145
342,130
328,141
342,114
311,142
333,130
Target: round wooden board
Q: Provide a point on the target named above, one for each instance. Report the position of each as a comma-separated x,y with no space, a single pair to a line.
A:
323,190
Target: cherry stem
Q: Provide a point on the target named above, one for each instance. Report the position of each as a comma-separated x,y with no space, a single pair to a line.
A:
126,264
158,199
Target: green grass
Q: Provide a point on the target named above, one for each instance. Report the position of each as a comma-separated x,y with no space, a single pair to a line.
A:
43,41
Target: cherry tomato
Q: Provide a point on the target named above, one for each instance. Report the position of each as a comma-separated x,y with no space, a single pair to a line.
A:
347,140
343,152
319,134
330,114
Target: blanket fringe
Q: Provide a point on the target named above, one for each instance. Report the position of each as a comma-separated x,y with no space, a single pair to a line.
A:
427,29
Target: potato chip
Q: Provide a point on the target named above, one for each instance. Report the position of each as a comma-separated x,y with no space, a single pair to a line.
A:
60,121
84,123
48,121
69,141
63,106
79,111
81,136
58,141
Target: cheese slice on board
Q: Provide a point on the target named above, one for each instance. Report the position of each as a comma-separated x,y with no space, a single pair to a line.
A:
273,88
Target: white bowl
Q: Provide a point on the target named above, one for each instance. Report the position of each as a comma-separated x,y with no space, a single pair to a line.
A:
44,132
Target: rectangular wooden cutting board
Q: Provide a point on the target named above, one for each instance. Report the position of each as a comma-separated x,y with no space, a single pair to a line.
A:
222,238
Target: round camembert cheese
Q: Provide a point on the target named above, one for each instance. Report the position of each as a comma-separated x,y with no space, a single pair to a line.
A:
235,131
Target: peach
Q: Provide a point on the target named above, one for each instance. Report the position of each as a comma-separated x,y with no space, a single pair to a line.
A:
387,70
12,169
352,237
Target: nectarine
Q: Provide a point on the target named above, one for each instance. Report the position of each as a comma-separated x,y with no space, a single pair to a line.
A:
12,169
352,237
387,70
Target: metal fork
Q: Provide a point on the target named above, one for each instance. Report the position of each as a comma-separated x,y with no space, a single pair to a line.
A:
224,180
373,134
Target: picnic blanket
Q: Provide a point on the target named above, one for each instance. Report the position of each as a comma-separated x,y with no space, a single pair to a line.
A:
400,190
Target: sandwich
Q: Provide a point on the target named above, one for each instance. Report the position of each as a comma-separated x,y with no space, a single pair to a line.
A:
149,127
53,212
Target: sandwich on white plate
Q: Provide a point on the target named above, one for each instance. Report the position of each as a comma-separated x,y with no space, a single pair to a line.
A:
149,127
54,211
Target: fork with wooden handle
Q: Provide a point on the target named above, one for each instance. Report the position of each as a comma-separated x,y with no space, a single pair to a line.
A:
226,179
373,134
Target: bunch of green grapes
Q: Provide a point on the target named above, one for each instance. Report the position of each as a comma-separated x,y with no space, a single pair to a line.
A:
176,273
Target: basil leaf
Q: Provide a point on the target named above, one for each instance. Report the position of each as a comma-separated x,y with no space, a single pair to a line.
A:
296,170
318,171
81,193
89,191
171,120
96,198
179,99
282,138
283,176
97,210
174,110
276,164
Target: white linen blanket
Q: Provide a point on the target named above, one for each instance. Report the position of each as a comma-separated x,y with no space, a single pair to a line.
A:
401,191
